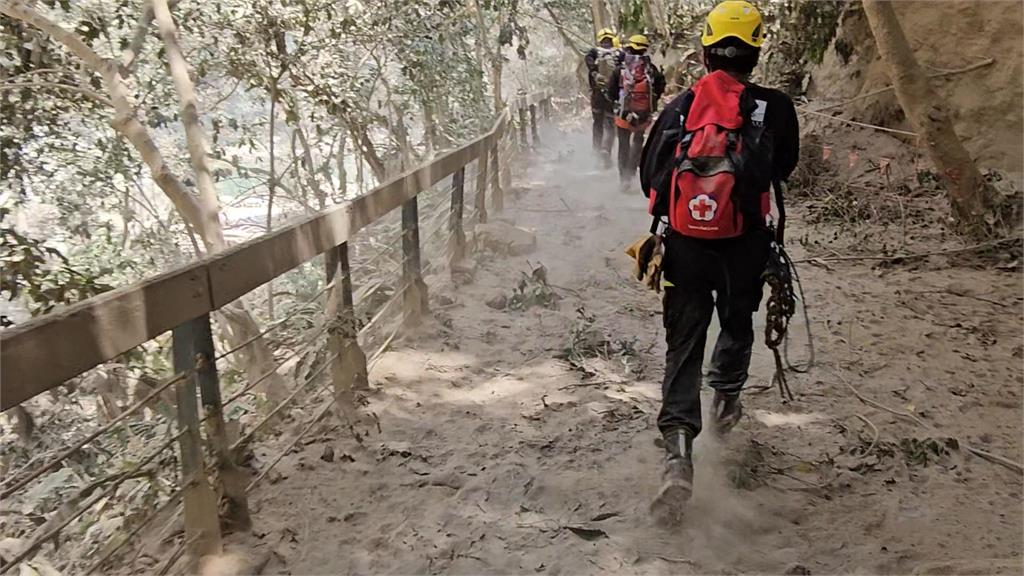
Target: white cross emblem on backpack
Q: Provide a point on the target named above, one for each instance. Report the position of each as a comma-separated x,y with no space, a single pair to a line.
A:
702,208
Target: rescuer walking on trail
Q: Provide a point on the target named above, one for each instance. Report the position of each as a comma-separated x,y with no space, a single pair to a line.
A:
709,168
601,63
636,86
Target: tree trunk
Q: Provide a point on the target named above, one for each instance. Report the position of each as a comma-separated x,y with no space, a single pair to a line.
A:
309,165
494,55
657,12
650,17
361,138
435,139
599,12
195,138
496,90
360,168
401,134
340,163
969,195
256,359
271,183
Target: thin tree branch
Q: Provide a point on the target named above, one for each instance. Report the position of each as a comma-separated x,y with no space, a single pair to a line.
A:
222,99
562,30
939,74
130,56
84,91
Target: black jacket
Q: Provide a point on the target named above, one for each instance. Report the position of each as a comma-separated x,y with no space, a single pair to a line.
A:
598,99
780,120
591,61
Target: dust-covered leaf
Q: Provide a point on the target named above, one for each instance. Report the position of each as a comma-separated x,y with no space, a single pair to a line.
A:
589,534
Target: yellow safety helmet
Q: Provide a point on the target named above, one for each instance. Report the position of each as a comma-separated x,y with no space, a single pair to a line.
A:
735,19
639,42
605,34
616,43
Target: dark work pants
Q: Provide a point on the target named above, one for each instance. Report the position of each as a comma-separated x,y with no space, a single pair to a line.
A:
631,145
702,276
604,131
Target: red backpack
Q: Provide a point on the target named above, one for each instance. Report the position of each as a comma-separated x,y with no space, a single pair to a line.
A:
636,87
721,179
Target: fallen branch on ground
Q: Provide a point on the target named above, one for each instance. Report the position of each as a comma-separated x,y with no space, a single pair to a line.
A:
807,483
588,384
961,295
874,429
994,458
989,244
569,290
666,558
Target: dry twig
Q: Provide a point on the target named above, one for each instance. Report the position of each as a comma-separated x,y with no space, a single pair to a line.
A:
874,429
939,74
972,247
994,458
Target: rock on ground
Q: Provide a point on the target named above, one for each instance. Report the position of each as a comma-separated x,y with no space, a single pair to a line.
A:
504,238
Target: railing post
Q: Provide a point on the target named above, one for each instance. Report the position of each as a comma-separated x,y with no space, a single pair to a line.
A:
534,133
481,186
504,172
497,195
523,145
414,294
202,529
348,369
503,148
232,479
546,103
457,233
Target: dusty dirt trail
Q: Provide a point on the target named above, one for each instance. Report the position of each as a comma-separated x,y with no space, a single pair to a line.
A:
498,456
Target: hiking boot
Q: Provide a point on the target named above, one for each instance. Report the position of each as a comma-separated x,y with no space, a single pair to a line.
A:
676,480
727,410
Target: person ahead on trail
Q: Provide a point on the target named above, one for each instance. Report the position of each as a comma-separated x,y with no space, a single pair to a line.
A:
636,86
708,169
601,62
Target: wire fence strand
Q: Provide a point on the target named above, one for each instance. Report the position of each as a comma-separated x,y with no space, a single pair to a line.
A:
171,501
256,428
96,434
302,348
309,426
274,325
113,485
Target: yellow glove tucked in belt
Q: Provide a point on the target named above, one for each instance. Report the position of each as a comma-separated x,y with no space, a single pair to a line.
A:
646,253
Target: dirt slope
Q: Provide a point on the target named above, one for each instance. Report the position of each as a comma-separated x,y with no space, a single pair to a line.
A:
987,104
496,456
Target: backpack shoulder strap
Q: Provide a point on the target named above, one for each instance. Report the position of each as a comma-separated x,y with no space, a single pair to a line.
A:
683,137
684,109
657,159
748,109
